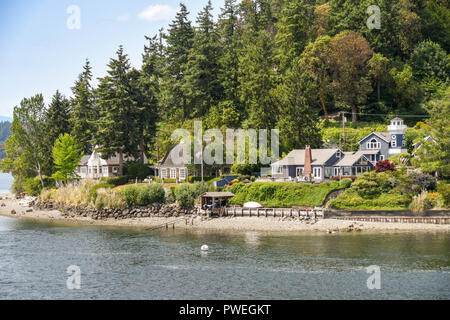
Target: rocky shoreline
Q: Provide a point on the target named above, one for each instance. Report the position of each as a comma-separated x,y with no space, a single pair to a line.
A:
154,210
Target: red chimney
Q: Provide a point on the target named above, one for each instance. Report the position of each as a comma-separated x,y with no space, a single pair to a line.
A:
307,168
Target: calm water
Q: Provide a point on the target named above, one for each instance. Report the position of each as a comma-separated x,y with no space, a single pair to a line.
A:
6,181
127,264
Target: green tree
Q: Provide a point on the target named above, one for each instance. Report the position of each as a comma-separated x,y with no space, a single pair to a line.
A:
26,148
378,68
316,59
434,156
179,42
350,54
116,130
202,85
84,113
66,157
297,115
429,60
257,64
57,118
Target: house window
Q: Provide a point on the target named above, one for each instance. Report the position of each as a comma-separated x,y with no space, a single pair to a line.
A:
317,172
335,172
83,170
182,173
382,157
394,143
115,170
373,144
163,173
173,173
299,172
277,169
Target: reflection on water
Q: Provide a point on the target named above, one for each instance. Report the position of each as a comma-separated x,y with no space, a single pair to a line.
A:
128,264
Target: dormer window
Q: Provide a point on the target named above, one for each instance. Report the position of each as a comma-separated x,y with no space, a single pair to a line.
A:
373,144
338,154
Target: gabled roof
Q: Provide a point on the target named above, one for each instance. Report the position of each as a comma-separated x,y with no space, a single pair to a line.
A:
382,135
350,158
168,161
297,157
217,195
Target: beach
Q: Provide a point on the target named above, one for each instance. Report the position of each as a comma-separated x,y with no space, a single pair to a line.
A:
9,204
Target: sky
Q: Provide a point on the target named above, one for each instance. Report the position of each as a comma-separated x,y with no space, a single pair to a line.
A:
44,45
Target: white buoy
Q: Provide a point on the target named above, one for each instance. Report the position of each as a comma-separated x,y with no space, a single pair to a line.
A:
204,247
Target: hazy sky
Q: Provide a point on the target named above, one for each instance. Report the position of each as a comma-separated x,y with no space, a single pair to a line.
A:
40,54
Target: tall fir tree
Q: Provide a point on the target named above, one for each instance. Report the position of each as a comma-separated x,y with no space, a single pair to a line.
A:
57,116
202,85
179,42
116,129
84,113
257,75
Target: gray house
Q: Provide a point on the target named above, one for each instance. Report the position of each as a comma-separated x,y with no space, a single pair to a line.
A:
329,163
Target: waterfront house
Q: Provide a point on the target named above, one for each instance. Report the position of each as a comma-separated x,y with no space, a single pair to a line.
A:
320,164
172,166
93,166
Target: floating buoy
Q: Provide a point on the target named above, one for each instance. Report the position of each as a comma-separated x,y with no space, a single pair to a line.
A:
204,247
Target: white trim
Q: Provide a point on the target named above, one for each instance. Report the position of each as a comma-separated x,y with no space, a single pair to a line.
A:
163,172
173,173
182,173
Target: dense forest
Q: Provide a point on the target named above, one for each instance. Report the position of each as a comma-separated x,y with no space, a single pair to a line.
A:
5,132
282,64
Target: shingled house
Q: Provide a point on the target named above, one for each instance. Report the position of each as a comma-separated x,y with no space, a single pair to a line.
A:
320,164
93,166
172,165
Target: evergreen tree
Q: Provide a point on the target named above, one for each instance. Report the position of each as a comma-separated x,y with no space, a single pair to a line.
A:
84,113
57,118
116,130
257,65
179,43
201,85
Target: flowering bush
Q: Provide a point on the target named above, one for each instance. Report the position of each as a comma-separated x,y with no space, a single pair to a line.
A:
384,165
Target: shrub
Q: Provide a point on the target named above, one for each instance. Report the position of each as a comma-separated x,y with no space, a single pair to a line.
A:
93,191
137,170
184,195
346,182
444,190
143,195
130,194
109,199
384,165
420,203
422,181
337,178
116,181
199,179
33,186
350,199
170,180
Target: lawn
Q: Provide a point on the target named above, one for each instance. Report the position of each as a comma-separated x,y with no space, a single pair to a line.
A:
283,194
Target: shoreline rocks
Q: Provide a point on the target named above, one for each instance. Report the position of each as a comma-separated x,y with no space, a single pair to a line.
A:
154,210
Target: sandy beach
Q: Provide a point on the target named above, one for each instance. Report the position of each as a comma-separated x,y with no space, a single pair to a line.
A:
9,204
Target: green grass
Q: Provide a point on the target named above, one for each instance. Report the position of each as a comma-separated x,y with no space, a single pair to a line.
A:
283,194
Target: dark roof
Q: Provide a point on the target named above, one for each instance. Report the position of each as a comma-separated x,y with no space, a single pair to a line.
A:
297,157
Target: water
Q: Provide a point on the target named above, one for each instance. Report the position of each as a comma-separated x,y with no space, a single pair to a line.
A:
6,181
118,263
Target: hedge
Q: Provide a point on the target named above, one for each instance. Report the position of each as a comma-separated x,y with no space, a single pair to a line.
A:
143,195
